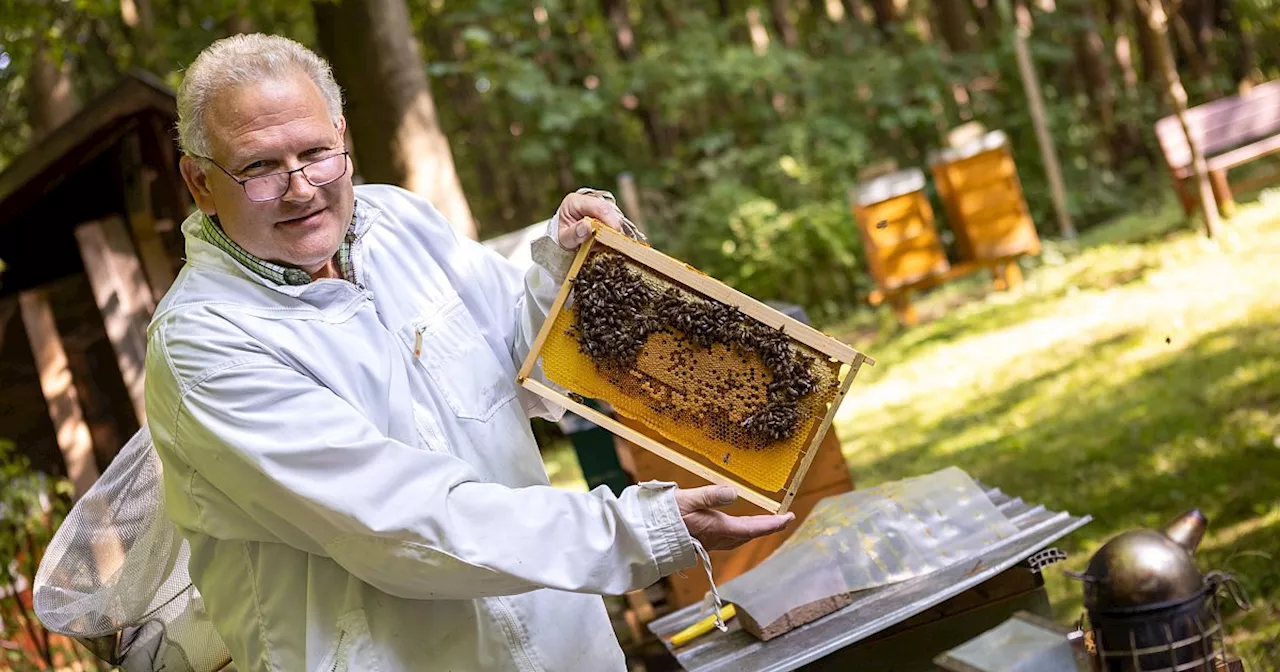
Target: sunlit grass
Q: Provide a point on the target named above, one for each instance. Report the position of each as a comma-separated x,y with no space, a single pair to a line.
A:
1134,375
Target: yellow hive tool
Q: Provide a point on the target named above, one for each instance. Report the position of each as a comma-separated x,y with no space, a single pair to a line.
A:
702,627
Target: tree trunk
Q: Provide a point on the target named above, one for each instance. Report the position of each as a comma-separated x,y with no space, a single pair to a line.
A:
783,24
51,98
240,21
853,10
1126,140
1091,55
1244,66
886,13
1147,48
953,23
1195,58
1053,169
1153,13
670,16
624,41
392,116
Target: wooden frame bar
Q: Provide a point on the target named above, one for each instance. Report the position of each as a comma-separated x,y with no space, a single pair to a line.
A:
120,289
70,428
703,284
700,283
747,492
793,488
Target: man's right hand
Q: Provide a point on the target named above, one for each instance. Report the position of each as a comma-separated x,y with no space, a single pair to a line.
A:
717,530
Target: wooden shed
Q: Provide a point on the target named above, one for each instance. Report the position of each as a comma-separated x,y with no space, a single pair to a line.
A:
89,239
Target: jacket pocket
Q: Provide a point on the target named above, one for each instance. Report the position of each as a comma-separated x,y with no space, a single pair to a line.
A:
452,349
354,650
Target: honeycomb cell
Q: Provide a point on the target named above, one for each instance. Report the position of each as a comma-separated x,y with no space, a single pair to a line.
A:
703,393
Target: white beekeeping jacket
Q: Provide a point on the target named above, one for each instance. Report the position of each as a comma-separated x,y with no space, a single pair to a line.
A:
352,472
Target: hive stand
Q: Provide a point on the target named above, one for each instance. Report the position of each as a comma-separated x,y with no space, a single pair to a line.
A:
682,274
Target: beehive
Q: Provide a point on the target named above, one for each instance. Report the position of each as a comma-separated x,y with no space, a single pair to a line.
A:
714,381
979,187
896,224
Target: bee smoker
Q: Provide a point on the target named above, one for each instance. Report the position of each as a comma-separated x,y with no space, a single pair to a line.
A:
1149,607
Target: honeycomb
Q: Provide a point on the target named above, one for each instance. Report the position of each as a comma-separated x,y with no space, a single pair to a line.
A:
705,377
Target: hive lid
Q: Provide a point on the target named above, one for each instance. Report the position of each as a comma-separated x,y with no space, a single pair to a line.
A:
871,611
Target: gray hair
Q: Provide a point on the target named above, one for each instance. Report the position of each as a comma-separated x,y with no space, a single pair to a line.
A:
238,60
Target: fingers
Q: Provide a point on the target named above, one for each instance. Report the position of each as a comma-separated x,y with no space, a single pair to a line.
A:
582,206
720,531
750,527
705,497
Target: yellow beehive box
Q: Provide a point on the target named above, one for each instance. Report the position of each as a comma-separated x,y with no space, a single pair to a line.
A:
708,378
896,224
979,187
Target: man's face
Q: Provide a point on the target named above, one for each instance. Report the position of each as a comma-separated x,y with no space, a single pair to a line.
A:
267,127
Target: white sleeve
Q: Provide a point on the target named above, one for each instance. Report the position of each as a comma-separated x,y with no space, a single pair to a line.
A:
413,523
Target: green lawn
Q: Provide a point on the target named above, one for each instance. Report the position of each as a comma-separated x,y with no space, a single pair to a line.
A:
1135,375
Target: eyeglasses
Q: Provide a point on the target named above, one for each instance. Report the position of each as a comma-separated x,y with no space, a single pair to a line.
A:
263,188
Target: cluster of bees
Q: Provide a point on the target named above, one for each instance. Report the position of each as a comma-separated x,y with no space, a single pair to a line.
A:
617,311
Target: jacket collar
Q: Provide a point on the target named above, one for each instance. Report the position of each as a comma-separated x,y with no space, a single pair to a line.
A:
208,245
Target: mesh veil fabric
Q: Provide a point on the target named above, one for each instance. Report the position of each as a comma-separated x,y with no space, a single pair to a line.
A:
115,575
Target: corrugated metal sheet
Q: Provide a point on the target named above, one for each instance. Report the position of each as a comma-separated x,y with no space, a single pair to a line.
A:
872,610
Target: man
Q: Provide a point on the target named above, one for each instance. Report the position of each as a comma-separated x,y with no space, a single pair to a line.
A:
330,386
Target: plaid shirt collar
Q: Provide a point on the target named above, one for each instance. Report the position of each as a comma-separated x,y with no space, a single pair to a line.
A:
211,232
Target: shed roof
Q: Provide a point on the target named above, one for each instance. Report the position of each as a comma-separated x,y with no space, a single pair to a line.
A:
81,139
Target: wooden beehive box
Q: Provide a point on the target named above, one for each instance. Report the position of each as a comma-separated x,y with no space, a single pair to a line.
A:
896,223
708,378
979,187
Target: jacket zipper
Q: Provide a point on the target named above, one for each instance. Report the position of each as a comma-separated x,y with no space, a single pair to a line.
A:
337,652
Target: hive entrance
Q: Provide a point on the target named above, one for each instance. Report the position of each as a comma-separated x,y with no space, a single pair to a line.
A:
700,373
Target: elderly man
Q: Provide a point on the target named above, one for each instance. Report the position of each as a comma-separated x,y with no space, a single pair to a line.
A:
330,386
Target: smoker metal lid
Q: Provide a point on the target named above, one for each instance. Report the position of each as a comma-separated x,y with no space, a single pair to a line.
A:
873,610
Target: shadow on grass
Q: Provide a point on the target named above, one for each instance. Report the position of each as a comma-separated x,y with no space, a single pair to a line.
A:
1195,427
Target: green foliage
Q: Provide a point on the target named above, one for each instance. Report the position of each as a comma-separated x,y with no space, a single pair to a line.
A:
744,154
32,506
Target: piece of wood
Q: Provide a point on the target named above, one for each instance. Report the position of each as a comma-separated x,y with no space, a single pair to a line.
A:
156,262
1009,584
526,367
962,269
120,289
631,200
1247,154
1153,12
812,451
1221,125
638,438
699,282
1035,102
70,428
1222,192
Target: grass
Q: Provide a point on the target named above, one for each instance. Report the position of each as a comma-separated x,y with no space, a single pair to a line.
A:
1136,374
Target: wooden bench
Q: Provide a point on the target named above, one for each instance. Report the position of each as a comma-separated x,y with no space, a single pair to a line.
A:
1230,132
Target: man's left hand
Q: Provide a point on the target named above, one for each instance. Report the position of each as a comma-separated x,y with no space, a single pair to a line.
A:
573,227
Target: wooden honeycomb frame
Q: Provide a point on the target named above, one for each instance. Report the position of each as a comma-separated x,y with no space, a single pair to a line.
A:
682,274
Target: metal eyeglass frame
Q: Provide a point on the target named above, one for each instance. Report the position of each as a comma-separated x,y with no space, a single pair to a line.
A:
288,173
